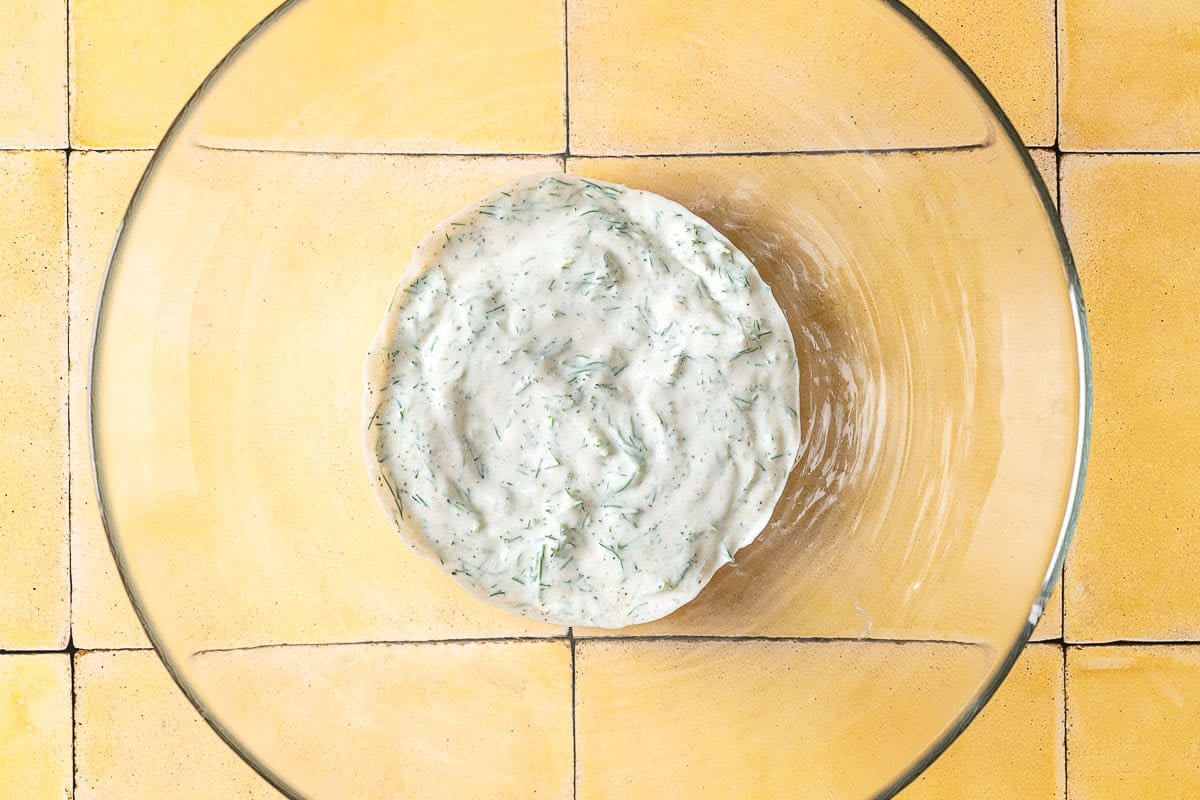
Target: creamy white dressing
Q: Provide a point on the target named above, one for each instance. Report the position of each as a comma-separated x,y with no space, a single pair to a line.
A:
582,402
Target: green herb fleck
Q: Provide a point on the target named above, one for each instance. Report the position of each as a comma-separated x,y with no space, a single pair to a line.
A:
613,550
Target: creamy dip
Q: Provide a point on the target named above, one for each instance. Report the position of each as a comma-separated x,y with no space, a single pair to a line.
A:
582,401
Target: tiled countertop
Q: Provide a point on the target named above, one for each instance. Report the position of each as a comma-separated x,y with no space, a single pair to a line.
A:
1106,92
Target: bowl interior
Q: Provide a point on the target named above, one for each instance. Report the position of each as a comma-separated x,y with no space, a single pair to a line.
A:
842,148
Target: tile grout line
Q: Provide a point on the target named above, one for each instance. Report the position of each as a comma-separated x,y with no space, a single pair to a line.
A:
1058,158
74,714
71,650
1057,79
566,80
66,267
571,636
1066,745
1117,152
1062,574
868,151
574,736
565,155
69,149
643,639
594,640
915,149
70,83
601,640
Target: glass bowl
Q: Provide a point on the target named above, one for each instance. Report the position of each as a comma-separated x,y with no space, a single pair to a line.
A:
882,194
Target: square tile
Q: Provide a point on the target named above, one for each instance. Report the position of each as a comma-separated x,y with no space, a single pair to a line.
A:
100,187
330,235
1131,722
451,720
34,595
134,63
33,74
815,225
661,77
138,738
35,726
1129,75
713,718
1134,570
1015,747
423,76
1010,46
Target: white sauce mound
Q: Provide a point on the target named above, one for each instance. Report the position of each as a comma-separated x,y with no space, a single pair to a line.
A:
582,403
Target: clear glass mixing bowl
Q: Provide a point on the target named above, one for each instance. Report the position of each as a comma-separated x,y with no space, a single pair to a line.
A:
883,195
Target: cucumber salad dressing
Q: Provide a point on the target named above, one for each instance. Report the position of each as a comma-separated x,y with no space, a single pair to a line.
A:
582,402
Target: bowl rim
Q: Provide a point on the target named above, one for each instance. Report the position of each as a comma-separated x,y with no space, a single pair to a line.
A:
1082,435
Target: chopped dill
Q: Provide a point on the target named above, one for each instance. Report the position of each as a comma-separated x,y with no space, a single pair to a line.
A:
540,563
395,494
612,550
746,351
611,191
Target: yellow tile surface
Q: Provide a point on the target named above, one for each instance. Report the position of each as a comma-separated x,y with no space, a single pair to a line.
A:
454,720
1129,75
440,76
1131,722
779,210
1132,224
664,718
1129,79
33,74
35,726
328,234
100,188
1015,747
1010,46
138,738
657,76
34,602
134,63
1046,162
